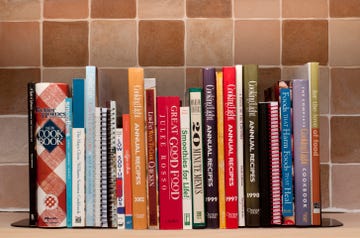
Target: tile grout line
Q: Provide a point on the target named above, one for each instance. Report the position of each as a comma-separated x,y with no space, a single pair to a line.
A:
41,25
89,32
185,19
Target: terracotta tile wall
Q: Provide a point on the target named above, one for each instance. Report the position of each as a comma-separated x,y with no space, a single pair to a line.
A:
52,40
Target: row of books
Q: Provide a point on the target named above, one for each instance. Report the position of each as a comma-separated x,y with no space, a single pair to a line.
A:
221,160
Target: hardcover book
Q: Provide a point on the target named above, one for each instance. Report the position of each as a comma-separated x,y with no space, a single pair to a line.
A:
137,135
210,149
169,159
186,167
51,153
251,148
120,179
302,140
197,157
68,137
230,146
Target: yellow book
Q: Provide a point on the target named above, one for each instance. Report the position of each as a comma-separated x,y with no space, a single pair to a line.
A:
137,135
220,134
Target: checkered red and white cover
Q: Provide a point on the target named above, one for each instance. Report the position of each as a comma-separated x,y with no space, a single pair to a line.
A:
51,148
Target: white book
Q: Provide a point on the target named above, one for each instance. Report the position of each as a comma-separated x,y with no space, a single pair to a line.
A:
240,144
97,171
186,167
78,177
120,199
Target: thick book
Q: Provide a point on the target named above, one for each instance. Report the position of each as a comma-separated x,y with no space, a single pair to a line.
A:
111,164
120,203
127,171
285,102
251,148
169,160
78,154
51,153
32,154
240,144
220,148
68,137
197,157
302,140
186,167
97,168
230,146
137,135
89,107
104,165
150,130
210,149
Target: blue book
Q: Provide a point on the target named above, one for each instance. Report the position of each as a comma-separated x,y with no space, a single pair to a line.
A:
90,89
78,102
302,141
286,156
68,138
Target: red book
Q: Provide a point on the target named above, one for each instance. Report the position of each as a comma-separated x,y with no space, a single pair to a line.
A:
169,162
231,188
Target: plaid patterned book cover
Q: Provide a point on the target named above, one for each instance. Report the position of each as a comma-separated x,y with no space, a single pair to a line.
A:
51,149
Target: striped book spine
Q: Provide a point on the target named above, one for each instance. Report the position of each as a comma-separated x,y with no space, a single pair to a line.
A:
68,137
90,100
302,140
104,174
51,153
97,171
120,178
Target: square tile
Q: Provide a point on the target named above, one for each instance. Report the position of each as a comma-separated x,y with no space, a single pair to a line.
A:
118,48
193,78
345,186
66,9
20,10
65,43
304,41
14,50
324,179
345,88
161,43
324,140
161,9
345,139
13,89
257,8
13,176
305,8
209,42
344,8
14,140
113,8
257,42
63,75
208,9
344,37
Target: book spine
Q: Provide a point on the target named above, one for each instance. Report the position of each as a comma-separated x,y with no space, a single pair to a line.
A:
90,94
220,148
275,163
97,172
150,128
240,143
210,146
264,162
68,137
127,171
137,123
120,178
315,142
286,157
32,155
111,164
104,196
197,157
251,160
230,146
302,140
170,189
51,153
186,167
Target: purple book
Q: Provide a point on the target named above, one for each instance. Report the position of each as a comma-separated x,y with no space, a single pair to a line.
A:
302,140
210,142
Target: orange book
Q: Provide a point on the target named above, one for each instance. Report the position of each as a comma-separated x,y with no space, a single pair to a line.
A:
137,137
127,171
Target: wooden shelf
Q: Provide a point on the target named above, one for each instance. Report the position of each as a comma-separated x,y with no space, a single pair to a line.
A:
351,228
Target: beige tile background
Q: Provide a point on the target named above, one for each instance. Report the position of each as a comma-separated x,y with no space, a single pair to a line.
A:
48,40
